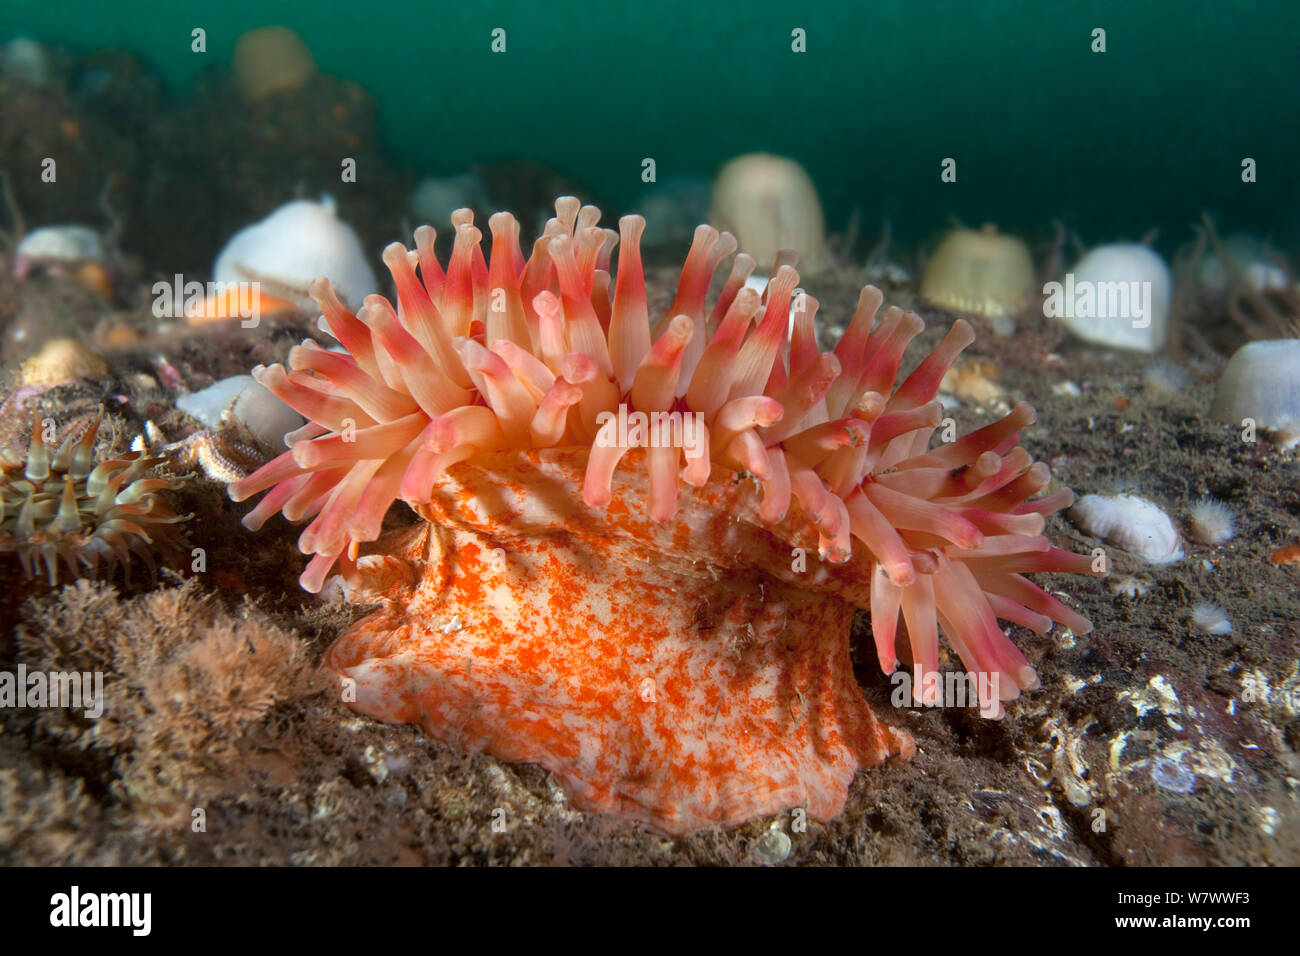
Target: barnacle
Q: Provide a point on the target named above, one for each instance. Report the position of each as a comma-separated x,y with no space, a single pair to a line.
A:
91,517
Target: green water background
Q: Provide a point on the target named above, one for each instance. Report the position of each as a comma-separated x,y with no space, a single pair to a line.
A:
1147,134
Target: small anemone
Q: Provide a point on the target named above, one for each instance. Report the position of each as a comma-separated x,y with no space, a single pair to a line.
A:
981,272
91,517
1210,522
770,203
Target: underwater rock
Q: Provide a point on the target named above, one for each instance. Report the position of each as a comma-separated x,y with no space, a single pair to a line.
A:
672,209
95,154
287,144
123,90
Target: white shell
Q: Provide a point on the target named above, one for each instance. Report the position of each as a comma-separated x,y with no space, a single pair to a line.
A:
250,403
1261,382
1141,325
1129,522
294,246
57,244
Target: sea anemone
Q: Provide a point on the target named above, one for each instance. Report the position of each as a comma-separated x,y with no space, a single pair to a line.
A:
662,622
1252,260
1210,521
24,60
1254,283
58,249
1166,376
770,203
981,272
1117,295
271,60
92,517
276,260
1210,618
1261,383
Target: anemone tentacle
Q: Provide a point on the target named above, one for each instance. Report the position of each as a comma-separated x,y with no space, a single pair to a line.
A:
523,352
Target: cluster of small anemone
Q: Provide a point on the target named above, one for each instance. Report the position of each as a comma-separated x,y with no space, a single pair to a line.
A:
515,353
64,508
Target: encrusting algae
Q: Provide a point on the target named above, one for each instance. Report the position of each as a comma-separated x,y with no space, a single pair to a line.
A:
642,551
